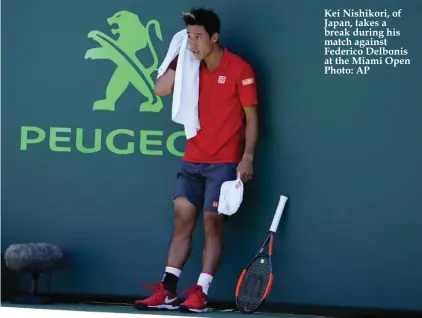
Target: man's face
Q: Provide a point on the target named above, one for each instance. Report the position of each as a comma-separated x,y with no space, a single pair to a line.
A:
199,41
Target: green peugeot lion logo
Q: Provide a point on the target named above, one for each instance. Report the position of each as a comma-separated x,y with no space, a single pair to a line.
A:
133,37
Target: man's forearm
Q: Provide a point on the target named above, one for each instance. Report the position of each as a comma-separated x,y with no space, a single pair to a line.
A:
251,137
164,84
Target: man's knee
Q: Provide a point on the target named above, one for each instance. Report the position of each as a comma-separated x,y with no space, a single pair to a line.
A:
213,224
184,217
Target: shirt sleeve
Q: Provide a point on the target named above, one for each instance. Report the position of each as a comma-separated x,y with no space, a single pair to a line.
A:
173,64
246,87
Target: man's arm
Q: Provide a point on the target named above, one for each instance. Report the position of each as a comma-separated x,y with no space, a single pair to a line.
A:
251,131
165,83
247,92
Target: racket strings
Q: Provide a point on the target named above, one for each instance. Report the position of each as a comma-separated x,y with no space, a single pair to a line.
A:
254,284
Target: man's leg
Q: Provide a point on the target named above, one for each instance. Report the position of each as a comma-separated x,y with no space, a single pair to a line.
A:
188,196
184,224
216,175
213,248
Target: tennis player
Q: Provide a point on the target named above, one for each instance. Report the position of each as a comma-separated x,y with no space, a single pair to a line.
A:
223,147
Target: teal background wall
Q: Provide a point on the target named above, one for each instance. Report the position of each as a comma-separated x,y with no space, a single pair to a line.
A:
347,151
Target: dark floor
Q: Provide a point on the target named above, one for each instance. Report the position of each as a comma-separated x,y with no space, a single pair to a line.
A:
124,309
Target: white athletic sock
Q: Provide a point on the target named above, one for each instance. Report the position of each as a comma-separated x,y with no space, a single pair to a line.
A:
173,270
205,280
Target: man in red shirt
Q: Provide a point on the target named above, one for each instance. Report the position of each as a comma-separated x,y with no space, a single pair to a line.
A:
223,147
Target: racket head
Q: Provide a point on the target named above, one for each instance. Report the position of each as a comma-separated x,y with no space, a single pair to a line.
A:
255,282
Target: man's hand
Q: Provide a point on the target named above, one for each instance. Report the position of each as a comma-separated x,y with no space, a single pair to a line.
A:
245,169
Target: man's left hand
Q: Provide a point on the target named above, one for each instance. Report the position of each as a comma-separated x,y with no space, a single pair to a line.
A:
245,168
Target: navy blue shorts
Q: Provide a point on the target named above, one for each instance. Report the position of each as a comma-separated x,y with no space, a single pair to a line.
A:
200,183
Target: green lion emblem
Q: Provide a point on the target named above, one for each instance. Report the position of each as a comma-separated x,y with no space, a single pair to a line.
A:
133,36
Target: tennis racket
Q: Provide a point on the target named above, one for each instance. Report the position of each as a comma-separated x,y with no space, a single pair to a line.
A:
254,284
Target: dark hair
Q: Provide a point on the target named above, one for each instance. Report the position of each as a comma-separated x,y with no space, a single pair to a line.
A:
205,17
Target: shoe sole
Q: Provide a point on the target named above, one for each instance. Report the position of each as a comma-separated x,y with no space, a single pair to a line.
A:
187,310
141,306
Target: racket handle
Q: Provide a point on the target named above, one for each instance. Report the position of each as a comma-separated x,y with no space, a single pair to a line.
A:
278,213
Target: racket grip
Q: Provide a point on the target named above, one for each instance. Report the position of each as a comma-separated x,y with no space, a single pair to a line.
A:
278,213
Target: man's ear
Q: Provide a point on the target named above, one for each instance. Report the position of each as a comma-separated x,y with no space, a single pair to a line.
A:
215,37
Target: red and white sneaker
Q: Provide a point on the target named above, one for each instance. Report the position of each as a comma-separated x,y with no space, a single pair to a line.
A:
160,299
196,301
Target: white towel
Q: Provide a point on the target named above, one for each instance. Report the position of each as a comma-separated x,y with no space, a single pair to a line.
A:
231,196
186,83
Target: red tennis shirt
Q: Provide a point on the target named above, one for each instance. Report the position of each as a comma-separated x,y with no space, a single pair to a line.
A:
223,92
